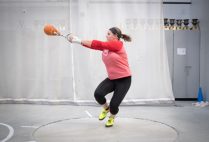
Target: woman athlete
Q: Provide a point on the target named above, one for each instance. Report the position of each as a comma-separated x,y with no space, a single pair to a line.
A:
119,75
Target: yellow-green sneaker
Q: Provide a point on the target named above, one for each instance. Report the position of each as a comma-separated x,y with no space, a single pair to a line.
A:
110,122
103,114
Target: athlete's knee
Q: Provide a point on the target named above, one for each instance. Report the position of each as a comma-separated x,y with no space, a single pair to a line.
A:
99,96
114,108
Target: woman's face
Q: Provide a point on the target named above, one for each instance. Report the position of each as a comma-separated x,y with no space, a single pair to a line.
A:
110,36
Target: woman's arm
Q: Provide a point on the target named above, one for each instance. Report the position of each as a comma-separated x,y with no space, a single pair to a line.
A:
86,43
96,44
100,45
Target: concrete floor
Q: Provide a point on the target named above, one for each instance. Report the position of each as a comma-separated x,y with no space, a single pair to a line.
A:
49,123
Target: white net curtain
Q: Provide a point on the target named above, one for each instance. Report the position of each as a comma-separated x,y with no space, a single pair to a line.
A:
41,69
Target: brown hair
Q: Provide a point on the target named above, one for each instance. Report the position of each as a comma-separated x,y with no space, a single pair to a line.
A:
117,31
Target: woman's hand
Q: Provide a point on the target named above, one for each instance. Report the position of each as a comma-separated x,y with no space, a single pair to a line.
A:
73,39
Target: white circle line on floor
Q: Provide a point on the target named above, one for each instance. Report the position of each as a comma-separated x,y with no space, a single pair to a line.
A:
172,127
11,132
146,119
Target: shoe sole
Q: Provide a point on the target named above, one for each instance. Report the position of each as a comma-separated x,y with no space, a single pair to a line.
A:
108,125
102,119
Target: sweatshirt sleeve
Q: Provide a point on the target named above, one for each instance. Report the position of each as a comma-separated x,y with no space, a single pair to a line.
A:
109,45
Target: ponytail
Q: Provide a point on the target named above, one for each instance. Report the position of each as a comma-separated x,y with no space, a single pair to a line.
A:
126,37
119,34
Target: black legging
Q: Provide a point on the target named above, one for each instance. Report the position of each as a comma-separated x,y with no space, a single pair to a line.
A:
120,88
